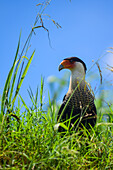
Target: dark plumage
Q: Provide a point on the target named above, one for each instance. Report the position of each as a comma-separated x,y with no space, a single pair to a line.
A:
79,100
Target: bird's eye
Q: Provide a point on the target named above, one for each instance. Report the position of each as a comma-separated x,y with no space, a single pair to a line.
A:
71,61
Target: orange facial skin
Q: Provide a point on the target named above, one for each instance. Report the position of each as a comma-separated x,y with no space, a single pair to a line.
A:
66,64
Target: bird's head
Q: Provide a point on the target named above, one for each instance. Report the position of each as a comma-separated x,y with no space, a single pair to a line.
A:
74,64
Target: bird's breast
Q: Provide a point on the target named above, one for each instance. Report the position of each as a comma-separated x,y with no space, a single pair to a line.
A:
80,97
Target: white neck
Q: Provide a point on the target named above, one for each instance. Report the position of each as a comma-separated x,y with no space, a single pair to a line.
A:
77,76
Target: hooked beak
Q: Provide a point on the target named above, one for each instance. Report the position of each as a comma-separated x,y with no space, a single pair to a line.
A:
60,67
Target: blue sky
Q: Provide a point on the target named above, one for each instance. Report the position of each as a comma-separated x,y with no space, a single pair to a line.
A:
87,32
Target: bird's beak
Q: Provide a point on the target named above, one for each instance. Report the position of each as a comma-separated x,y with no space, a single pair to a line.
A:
65,64
60,67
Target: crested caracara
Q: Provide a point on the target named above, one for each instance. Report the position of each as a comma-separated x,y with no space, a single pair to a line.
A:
78,106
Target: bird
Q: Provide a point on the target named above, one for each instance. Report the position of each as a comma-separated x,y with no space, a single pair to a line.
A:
78,107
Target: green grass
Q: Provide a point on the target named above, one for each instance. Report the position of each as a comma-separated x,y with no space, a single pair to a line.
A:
31,142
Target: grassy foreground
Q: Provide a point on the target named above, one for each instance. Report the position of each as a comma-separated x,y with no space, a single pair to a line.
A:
30,140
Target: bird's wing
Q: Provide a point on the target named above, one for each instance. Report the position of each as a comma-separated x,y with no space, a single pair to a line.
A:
79,98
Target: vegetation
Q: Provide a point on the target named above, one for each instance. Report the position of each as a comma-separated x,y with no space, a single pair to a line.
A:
30,141
29,138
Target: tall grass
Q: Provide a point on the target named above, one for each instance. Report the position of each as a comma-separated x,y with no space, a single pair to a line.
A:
33,143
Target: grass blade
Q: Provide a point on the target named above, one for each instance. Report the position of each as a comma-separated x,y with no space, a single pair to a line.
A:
41,92
24,104
13,81
22,78
7,84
